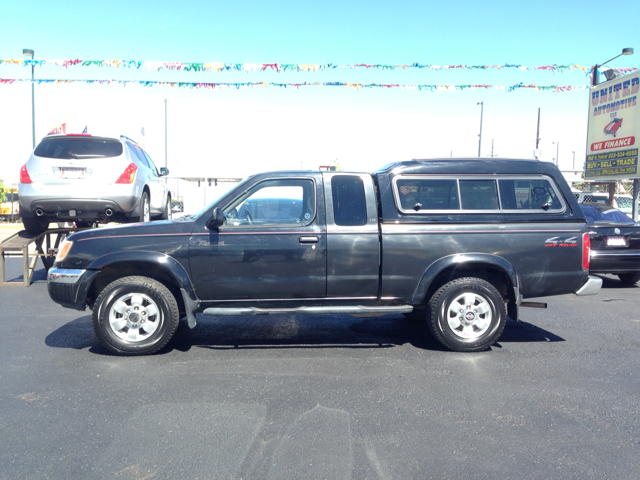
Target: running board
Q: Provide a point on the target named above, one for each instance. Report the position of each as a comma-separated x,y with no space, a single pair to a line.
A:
533,304
347,310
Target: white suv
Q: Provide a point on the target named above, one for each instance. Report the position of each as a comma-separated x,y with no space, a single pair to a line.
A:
86,179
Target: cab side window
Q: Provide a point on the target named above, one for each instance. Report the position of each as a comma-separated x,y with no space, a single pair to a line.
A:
349,204
283,202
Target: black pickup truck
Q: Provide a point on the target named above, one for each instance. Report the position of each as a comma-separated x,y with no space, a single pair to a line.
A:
455,243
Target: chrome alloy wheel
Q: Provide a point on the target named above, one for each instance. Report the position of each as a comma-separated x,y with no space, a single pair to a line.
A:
469,315
134,317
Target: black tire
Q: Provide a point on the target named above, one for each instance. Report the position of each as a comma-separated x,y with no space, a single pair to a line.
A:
166,213
35,225
145,210
629,278
84,224
135,316
478,310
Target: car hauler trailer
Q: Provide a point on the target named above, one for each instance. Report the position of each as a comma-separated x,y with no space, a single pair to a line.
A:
31,247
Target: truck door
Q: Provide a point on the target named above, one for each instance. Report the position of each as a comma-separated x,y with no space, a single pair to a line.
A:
272,245
353,244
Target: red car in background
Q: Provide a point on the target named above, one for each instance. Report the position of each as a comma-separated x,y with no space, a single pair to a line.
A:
613,126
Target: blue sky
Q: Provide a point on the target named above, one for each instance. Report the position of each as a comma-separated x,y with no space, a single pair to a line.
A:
237,132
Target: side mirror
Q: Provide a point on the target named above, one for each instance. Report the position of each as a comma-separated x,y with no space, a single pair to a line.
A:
216,220
164,172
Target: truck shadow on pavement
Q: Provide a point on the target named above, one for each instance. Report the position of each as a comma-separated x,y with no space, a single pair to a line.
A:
293,332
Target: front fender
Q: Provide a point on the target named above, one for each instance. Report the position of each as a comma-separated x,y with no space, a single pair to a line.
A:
460,259
163,262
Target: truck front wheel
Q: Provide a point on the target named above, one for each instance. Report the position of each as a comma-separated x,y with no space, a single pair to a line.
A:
467,315
135,316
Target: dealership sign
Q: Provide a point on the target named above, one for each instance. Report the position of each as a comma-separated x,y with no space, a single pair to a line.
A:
614,130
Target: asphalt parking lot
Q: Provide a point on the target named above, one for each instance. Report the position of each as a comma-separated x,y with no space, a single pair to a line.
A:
322,397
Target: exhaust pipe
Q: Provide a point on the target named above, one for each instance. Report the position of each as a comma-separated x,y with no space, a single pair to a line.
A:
39,212
108,212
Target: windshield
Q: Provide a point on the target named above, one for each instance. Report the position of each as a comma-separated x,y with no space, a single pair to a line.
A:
78,147
605,214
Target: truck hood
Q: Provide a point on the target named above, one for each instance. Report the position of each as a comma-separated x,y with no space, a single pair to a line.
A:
164,227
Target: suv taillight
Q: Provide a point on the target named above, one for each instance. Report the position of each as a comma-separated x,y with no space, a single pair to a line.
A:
586,250
128,174
24,175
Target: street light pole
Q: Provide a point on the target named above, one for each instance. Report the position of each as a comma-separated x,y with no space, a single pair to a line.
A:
480,134
29,53
594,70
557,154
574,160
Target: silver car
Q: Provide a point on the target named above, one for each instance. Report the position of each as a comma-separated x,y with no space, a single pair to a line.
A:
86,179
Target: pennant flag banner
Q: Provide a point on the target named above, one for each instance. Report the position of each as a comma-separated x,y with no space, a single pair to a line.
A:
286,67
62,128
146,83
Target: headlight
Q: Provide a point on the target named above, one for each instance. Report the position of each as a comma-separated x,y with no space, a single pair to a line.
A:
63,250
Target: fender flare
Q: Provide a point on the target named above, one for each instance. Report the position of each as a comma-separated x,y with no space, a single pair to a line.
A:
165,263
457,259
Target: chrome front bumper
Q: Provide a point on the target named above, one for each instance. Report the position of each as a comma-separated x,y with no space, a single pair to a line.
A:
69,287
64,275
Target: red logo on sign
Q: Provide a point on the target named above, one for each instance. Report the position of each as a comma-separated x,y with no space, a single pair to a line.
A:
619,142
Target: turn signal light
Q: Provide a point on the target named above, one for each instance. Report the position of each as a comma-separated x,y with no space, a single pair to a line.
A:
586,250
24,175
128,174
63,250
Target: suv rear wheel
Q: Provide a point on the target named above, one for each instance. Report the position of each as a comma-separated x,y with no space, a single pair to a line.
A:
35,225
166,213
145,210
629,278
467,315
84,224
135,316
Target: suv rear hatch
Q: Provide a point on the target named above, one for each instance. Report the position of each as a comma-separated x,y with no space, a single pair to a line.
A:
77,160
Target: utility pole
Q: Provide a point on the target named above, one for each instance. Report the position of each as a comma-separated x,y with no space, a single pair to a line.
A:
29,53
165,133
480,134
538,133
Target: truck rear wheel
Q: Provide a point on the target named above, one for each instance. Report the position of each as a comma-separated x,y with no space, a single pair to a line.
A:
135,316
467,315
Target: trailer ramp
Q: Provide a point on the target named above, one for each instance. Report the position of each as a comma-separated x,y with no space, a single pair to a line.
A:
30,247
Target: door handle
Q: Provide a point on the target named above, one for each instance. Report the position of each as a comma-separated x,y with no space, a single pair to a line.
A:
308,239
